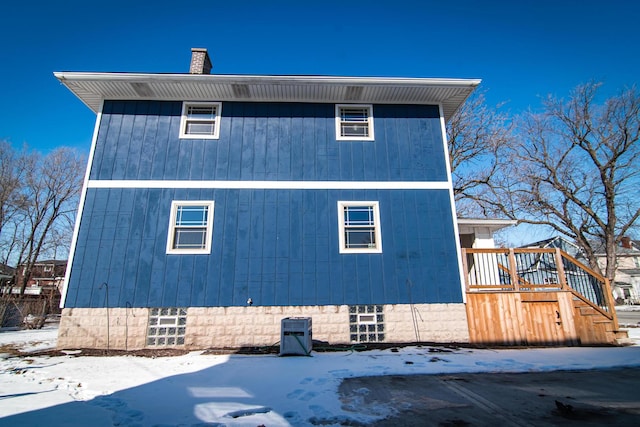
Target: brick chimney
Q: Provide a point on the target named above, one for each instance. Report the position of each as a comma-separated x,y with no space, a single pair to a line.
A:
625,241
200,61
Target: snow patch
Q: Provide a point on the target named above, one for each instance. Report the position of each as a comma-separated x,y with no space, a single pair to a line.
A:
199,389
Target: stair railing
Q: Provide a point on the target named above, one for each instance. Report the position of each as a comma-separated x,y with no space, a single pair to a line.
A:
536,270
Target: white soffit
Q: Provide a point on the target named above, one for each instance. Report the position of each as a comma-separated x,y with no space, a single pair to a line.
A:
467,225
93,88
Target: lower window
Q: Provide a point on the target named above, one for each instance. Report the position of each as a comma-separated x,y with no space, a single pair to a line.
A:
167,327
366,323
359,227
190,227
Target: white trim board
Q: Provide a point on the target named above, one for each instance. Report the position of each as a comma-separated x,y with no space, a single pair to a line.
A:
454,214
275,185
83,195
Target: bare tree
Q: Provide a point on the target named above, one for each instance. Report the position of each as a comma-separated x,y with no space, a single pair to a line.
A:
12,172
476,135
12,239
53,185
574,168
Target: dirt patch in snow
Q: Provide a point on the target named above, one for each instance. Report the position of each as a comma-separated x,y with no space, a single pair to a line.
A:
160,352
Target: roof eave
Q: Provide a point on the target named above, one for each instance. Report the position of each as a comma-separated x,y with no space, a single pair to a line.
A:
248,78
93,88
492,224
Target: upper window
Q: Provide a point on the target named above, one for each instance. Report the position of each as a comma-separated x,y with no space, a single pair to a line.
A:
190,227
200,120
359,224
354,122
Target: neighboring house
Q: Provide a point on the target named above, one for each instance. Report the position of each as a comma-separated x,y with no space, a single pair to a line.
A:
6,274
216,205
40,296
46,276
626,288
541,268
562,243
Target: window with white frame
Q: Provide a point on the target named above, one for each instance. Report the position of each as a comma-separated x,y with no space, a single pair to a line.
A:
190,227
359,227
354,122
200,120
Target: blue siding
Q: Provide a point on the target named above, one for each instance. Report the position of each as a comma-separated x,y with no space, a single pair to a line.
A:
138,140
278,247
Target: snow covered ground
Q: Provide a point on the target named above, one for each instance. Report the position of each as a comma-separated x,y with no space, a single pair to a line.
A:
197,389
627,307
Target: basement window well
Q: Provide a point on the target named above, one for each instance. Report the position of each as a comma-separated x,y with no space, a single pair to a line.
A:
167,327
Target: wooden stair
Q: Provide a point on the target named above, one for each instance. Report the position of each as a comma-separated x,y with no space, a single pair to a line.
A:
511,299
595,327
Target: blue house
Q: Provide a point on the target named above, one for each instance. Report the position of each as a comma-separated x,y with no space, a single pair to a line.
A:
214,206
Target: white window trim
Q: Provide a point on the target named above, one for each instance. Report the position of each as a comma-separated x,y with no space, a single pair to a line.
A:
183,120
339,137
377,226
172,225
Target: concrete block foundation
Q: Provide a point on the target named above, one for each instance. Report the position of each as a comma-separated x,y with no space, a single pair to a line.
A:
237,327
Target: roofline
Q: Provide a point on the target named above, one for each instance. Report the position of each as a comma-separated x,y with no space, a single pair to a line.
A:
248,78
94,88
503,222
551,239
493,224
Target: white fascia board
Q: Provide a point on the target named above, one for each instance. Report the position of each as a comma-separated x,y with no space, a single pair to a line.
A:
267,79
499,223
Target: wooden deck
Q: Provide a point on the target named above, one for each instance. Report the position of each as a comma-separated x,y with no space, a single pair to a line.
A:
537,297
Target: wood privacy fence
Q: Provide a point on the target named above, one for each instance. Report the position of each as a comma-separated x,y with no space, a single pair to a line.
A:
536,297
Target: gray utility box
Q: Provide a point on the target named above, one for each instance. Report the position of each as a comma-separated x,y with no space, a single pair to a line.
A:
295,336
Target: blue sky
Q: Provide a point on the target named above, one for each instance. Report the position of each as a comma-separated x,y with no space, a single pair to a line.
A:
521,49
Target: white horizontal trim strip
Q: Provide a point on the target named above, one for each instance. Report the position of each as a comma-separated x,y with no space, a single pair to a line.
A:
276,185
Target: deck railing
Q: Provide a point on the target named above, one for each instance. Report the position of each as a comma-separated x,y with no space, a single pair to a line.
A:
535,270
